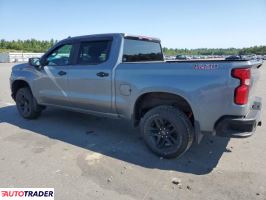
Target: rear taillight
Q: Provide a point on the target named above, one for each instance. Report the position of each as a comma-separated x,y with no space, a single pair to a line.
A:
241,92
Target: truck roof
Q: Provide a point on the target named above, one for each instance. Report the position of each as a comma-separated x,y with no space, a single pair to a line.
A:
114,35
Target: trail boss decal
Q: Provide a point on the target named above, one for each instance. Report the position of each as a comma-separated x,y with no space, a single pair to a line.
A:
205,66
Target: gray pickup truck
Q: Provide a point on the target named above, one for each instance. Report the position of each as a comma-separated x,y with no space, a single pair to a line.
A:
125,76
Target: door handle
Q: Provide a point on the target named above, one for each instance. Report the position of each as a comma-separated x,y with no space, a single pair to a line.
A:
62,73
102,74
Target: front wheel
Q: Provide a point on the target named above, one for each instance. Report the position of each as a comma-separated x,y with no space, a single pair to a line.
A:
26,104
167,131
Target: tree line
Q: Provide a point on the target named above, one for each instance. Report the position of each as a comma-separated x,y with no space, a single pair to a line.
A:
258,50
33,45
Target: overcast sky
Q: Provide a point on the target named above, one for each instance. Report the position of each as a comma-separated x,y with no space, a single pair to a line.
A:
178,23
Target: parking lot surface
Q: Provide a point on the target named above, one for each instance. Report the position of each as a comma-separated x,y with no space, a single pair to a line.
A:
86,157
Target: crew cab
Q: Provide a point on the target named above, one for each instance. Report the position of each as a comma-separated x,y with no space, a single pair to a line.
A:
125,76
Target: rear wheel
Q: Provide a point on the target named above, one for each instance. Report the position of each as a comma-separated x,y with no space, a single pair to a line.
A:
26,104
167,131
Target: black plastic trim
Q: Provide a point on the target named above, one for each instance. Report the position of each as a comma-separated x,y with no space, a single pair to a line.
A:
237,126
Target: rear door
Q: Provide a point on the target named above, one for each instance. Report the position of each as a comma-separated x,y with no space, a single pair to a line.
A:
90,79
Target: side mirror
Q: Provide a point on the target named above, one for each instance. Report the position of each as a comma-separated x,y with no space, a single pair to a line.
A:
35,62
43,61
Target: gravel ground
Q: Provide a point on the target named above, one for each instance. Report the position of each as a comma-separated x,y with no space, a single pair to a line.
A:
85,157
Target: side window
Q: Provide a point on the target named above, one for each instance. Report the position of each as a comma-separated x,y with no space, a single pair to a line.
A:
60,56
93,52
140,50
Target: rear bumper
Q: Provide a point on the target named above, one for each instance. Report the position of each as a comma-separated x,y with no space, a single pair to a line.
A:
233,126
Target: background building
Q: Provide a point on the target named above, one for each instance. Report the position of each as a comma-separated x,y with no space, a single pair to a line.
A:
17,56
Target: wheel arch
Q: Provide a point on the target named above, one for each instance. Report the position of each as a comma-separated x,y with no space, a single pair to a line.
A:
176,100
149,100
16,85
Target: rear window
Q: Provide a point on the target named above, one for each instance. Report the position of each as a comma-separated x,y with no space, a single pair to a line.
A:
141,50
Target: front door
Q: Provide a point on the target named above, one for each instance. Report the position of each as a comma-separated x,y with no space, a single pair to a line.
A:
52,84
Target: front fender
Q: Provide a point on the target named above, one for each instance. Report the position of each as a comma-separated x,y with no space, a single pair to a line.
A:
23,72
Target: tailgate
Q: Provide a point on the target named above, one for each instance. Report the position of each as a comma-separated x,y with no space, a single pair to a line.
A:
255,73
